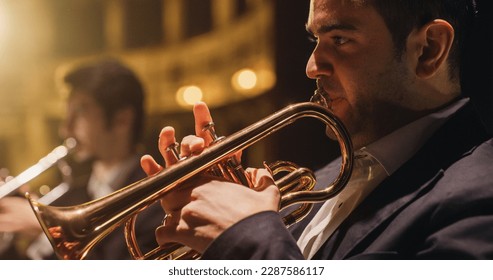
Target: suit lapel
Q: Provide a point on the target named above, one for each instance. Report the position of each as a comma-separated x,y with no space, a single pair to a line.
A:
455,139
392,195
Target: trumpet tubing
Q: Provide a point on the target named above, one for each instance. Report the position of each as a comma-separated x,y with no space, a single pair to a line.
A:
73,231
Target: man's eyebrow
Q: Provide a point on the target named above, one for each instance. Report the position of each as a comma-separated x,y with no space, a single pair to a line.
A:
329,27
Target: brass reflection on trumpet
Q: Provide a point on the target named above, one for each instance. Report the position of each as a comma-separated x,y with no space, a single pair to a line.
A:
74,230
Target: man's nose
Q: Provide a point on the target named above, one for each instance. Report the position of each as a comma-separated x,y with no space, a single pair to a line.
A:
311,68
318,65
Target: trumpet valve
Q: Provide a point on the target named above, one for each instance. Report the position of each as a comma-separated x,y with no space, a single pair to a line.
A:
210,128
173,148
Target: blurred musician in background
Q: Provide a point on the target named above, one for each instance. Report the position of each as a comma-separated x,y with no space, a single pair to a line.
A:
422,183
105,115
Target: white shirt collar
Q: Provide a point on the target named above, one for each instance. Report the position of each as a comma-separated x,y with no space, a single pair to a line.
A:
104,181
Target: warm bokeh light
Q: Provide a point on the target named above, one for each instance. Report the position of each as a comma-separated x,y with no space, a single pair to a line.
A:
44,189
244,80
253,81
247,79
188,95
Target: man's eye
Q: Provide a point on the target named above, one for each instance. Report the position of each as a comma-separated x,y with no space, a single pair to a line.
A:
340,40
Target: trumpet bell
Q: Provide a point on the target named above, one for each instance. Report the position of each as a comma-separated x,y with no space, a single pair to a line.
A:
63,229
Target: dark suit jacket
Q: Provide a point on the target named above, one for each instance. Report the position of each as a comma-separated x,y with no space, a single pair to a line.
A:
113,246
439,205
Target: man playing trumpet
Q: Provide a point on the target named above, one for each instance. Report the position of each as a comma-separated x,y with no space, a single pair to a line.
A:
421,185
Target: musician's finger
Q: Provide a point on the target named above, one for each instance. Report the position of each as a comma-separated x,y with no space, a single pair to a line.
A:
260,177
149,165
164,234
166,140
192,145
167,232
202,119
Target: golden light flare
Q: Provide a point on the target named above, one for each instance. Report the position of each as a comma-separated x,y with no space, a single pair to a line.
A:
251,82
189,95
246,79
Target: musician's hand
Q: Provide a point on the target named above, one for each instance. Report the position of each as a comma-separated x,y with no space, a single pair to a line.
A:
213,206
17,216
192,144
202,208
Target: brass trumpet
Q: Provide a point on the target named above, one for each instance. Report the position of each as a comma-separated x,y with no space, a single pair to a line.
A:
74,230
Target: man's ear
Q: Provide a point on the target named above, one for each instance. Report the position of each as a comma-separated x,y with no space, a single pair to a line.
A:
432,43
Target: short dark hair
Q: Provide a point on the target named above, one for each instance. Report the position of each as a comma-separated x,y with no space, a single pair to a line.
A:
114,86
402,16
